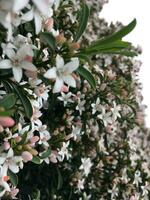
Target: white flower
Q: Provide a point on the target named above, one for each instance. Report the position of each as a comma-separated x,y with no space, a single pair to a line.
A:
105,117
80,184
44,135
62,73
137,178
10,161
17,61
80,107
66,98
114,192
64,152
3,182
86,165
96,106
41,7
115,111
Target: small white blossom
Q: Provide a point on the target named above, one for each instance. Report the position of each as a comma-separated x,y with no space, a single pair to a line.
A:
66,98
62,73
86,165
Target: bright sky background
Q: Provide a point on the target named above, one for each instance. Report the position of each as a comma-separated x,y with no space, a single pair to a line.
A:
124,11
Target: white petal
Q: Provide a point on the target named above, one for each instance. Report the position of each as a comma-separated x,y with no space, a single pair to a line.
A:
10,53
51,73
72,66
23,52
38,22
28,16
43,6
10,153
28,66
59,61
17,72
2,160
13,167
19,5
58,85
5,64
69,80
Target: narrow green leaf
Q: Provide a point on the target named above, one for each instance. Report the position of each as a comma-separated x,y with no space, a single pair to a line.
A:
116,36
24,99
60,180
87,75
36,160
6,113
48,39
13,178
8,101
83,20
46,154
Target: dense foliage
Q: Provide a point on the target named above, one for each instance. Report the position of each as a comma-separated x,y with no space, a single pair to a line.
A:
71,118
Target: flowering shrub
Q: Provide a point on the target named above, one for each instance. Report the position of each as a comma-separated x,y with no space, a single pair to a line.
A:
71,120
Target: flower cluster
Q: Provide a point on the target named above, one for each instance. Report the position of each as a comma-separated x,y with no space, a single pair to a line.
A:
71,120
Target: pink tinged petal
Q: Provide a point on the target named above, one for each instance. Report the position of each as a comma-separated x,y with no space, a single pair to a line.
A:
58,85
27,156
72,66
38,22
17,72
51,73
19,5
5,64
6,146
28,66
43,6
59,61
23,52
28,16
6,121
69,80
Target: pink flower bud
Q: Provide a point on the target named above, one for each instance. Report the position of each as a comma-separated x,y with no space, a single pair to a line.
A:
34,139
18,139
6,145
31,74
6,121
49,23
1,129
27,156
65,88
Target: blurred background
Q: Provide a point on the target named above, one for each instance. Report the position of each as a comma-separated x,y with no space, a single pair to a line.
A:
124,11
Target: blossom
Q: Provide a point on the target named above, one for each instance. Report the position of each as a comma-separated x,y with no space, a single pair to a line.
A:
105,117
10,161
66,98
96,106
3,181
62,73
17,61
64,152
86,165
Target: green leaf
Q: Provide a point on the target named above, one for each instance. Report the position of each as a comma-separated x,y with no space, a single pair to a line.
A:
13,178
46,154
60,180
36,160
24,100
83,20
8,101
48,39
118,35
87,75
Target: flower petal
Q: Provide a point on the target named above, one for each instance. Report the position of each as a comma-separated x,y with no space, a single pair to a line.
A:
59,61
72,66
58,85
38,22
5,64
13,167
51,73
28,16
43,6
19,5
28,66
69,80
17,72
